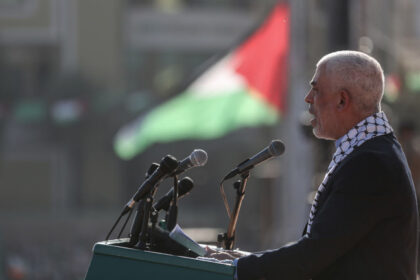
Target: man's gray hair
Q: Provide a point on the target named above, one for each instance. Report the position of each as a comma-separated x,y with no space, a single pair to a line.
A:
358,73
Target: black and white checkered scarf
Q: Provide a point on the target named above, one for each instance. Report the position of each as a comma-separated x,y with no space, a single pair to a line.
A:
369,128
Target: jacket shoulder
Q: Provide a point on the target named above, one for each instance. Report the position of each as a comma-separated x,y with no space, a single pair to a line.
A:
377,165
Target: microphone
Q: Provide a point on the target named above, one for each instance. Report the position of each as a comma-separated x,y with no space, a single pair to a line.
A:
152,168
185,185
275,149
198,157
167,165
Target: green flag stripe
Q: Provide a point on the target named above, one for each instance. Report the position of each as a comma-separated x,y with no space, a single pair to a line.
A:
196,117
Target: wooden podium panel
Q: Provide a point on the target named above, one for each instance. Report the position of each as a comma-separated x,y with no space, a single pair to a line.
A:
113,261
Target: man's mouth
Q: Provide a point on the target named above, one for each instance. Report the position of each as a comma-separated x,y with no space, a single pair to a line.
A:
313,122
306,118
312,117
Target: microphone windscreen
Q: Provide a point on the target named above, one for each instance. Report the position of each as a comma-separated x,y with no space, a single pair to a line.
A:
198,157
168,164
152,169
185,186
276,148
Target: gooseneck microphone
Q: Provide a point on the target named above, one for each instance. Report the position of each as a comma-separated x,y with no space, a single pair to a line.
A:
275,149
185,185
152,168
167,165
197,157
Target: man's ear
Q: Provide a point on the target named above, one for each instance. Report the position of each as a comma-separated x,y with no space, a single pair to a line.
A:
344,100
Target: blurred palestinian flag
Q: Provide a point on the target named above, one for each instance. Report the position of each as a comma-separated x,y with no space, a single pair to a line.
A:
245,88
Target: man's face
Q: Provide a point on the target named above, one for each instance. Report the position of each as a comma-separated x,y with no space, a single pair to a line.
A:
322,100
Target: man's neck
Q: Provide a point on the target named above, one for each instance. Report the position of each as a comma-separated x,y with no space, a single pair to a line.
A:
351,120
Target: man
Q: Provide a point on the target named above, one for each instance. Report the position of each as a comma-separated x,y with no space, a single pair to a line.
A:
363,221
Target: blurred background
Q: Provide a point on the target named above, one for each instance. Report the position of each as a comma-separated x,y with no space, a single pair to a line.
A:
74,72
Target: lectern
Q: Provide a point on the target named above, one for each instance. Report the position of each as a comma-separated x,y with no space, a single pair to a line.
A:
112,260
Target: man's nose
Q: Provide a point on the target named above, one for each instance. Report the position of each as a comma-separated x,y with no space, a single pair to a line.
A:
308,97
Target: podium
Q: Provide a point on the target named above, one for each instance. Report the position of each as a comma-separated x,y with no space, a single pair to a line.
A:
111,260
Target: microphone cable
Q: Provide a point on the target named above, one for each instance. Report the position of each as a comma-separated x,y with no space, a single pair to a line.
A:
125,223
149,172
114,225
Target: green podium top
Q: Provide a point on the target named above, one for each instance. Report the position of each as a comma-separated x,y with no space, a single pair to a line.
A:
111,260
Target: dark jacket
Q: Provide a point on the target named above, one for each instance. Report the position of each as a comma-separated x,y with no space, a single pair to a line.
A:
365,226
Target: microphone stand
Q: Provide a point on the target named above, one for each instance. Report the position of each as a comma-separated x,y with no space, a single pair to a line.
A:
172,214
145,234
137,224
229,237
153,219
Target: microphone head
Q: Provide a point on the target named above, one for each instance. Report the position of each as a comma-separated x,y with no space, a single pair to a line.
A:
276,148
168,164
198,157
185,185
152,169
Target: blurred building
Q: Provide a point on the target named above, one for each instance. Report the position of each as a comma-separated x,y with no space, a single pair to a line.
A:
67,64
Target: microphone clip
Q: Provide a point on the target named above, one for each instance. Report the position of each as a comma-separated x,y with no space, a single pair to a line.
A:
237,171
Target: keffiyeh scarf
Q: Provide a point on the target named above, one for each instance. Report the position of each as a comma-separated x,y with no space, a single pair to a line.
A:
371,127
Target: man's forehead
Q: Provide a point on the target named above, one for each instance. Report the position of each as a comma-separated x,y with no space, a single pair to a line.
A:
315,78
